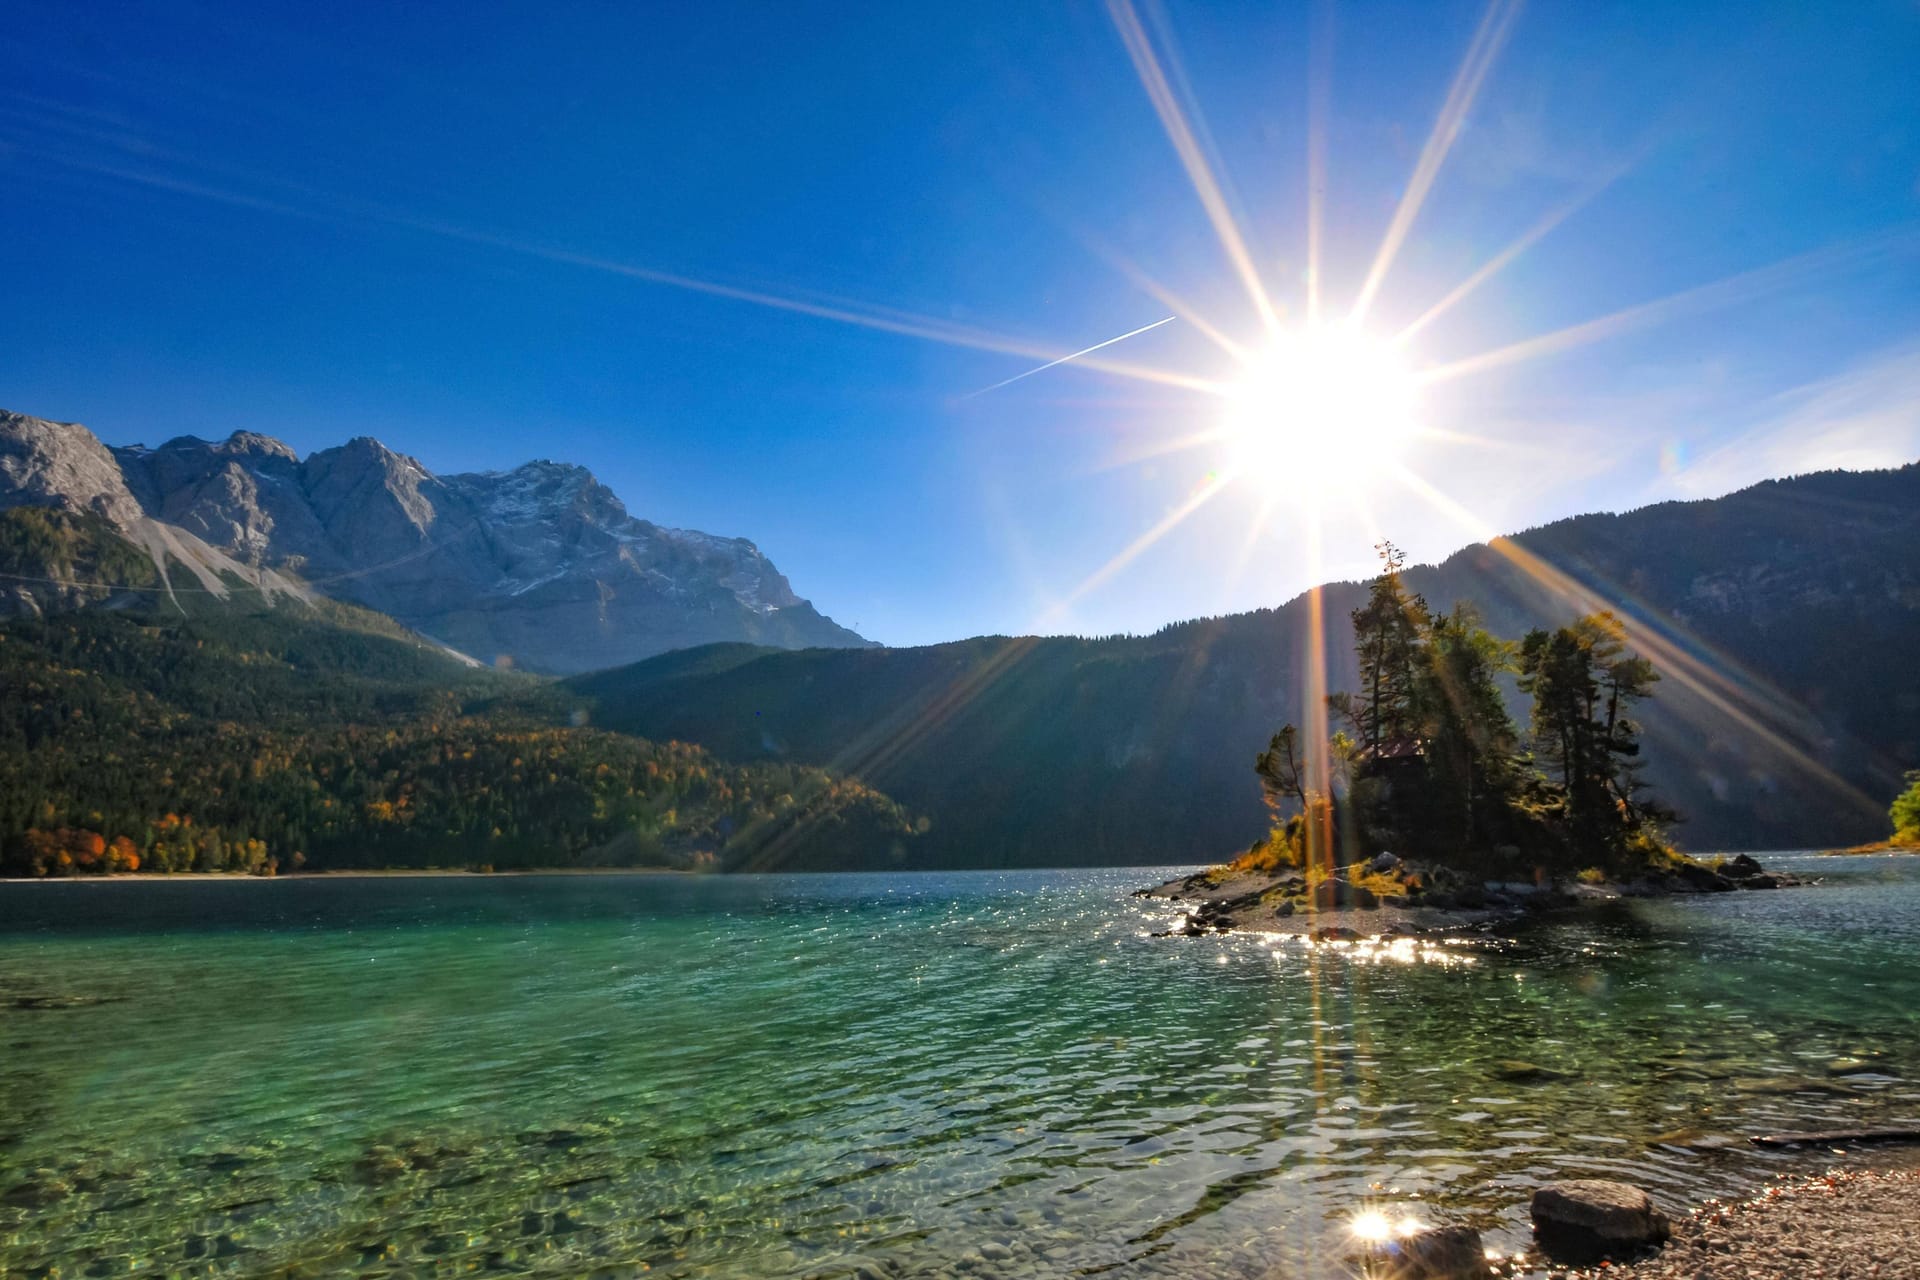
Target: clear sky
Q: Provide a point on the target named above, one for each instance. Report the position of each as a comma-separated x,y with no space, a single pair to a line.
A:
448,226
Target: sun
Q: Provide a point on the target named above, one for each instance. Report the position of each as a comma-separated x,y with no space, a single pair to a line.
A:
1320,408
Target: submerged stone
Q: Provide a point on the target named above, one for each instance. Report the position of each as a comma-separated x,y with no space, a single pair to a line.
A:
1517,1071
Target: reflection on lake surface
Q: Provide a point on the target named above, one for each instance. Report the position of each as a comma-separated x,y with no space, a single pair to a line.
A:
983,1074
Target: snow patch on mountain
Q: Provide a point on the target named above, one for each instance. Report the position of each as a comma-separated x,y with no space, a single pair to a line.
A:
542,564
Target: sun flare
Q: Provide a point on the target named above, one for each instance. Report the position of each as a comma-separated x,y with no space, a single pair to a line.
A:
1318,408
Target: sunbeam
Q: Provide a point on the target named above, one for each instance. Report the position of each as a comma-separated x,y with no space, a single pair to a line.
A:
1760,709
1154,80
1171,521
1743,287
322,208
1161,448
1505,258
1181,309
1319,108
1488,39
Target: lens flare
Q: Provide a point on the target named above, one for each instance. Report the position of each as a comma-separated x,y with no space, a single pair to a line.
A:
1372,1226
1320,408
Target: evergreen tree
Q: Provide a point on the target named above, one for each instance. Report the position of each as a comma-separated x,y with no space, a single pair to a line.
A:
1436,768
1471,742
1281,771
1584,685
1389,638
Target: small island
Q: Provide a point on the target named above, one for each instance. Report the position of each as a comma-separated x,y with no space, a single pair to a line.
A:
1429,808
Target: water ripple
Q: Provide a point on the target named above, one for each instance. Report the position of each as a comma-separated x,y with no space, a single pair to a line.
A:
980,1074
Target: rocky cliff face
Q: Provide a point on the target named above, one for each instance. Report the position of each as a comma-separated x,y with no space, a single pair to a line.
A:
542,566
60,466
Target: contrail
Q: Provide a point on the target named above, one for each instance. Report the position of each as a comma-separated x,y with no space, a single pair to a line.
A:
1063,359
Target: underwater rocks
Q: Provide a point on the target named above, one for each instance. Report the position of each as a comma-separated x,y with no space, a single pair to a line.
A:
61,1000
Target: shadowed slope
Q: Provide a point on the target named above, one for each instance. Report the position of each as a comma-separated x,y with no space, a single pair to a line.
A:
1792,609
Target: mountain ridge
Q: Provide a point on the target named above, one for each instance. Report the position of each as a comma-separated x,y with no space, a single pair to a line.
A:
1785,616
541,565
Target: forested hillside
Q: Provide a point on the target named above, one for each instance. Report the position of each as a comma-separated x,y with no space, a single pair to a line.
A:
1784,618
261,739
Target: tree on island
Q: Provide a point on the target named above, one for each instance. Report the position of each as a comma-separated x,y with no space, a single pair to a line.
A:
1584,685
1431,765
1906,812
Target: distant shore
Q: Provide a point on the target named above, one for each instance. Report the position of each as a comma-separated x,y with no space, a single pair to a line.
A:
1878,846
350,873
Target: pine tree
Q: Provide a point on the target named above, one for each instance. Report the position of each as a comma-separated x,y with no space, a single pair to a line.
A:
1389,638
1471,740
1584,685
1281,771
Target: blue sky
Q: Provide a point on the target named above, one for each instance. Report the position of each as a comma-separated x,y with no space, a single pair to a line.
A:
444,226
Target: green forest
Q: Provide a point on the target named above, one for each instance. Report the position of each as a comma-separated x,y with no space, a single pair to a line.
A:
1427,762
262,740
1004,751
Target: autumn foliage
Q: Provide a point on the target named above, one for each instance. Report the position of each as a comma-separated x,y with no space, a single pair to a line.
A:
111,760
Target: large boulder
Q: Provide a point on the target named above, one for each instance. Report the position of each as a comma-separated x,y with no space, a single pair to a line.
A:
1586,1220
1691,877
1433,1253
1742,868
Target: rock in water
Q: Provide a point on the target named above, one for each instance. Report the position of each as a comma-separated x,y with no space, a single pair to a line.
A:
1515,1071
1435,1253
1584,1221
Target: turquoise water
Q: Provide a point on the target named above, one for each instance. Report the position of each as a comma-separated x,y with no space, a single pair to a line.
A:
978,1073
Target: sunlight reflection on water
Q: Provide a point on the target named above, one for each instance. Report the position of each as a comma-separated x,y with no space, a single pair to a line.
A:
801,1076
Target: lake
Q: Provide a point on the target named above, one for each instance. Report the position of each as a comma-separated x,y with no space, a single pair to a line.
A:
902,1075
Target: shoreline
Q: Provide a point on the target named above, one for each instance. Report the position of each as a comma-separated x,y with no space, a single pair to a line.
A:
1869,850
1341,908
1854,1219
350,873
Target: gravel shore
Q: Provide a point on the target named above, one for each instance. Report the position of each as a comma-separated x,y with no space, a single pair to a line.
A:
1836,1226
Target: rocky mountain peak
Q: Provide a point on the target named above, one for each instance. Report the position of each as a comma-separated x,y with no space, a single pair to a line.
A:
542,563
364,484
61,464
251,444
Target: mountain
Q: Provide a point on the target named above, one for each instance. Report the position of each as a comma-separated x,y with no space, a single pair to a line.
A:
541,565
65,506
1785,619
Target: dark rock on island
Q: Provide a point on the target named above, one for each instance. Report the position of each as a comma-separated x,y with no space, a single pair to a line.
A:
1376,897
